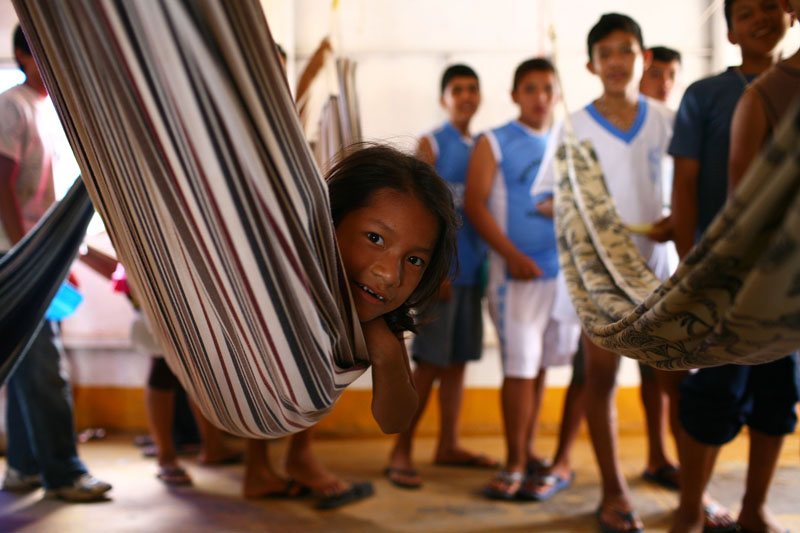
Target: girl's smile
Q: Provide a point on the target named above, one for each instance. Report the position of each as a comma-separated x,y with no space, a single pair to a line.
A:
386,246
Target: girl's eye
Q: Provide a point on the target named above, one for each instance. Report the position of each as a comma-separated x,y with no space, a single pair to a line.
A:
374,237
416,261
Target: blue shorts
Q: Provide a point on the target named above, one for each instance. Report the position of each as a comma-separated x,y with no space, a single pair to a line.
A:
716,402
455,333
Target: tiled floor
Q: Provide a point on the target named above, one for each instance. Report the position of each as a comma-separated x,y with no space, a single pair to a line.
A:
449,501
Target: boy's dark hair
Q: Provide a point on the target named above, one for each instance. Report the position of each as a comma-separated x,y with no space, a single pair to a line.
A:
530,65
20,43
454,71
728,10
665,55
609,23
368,168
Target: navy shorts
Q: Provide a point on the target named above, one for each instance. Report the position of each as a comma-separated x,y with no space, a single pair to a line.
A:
455,333
716,402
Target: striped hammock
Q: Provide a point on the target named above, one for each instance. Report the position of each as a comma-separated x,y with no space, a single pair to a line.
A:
734,299
32,272
181,120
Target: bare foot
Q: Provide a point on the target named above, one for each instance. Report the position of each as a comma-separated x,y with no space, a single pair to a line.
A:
304,468
401,469
462,457
683,523
263,482
219,455
617,513
759,519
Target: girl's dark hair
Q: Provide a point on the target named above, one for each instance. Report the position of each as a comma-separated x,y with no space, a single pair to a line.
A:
368,168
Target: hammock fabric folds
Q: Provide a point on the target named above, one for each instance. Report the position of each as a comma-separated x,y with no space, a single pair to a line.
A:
734,299
181,120
32,272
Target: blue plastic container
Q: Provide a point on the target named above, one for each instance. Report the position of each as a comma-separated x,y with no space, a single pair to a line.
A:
65,303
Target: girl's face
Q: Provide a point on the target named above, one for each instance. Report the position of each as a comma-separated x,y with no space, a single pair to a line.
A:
386,247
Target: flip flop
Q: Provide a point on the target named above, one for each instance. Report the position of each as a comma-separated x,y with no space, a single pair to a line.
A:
173,476
474,461
391,475
534,466
628,516
512,482
711,513
555,483
356,492
664,476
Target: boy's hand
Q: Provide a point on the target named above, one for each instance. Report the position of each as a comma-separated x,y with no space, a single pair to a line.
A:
545,207
520,266
662,230
445,290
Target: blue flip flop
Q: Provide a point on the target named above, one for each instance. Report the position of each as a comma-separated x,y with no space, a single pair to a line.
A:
555,483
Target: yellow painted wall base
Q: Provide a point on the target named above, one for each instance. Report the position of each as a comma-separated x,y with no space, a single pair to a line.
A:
123,409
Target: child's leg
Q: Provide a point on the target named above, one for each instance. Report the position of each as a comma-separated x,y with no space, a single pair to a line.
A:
539,383
260,479
214,448
697,463
656,414
763,461
601,414
571,418
517,398
451,394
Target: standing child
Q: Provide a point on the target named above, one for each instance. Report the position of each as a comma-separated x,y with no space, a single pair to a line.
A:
444,345
716,402
630,134
658,82
523,261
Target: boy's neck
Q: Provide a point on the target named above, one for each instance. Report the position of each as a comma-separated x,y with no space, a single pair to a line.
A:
617,102
537,128
757,63
461,127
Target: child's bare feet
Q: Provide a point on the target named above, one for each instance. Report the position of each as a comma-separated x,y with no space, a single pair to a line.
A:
759,519
304,468
462,457
263,482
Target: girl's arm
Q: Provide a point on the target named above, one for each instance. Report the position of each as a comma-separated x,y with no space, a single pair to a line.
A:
394,397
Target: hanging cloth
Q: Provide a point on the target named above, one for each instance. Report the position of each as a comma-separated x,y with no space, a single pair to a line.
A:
735,298
181,120
34,269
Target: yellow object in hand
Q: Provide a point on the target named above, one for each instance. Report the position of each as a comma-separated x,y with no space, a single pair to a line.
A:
641,228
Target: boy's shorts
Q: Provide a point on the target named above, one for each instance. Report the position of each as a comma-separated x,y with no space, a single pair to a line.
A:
455,333
530,338
716,402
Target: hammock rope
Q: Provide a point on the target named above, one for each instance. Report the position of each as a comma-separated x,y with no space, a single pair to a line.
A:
182,122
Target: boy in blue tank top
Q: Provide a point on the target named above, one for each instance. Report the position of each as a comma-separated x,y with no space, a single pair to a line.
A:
443,346
523,261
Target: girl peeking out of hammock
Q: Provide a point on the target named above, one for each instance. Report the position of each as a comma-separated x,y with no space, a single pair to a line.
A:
396,229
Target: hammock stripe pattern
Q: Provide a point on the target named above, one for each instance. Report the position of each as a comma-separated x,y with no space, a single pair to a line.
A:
182,122
32,272
734,299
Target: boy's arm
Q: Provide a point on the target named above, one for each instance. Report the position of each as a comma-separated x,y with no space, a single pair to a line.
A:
684,203
394,396
99,261
424,151
312,68
480,175
749,132
10,212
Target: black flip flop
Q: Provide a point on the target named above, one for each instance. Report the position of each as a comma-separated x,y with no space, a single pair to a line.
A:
356,492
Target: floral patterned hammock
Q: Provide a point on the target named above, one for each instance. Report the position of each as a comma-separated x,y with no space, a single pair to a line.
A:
734,299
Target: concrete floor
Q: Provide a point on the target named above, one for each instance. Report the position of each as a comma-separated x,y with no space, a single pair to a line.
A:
449,501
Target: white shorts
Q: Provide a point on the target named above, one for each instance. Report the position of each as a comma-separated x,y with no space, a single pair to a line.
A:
530,337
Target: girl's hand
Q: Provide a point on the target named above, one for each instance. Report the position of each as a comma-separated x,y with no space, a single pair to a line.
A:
394,397
662,230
